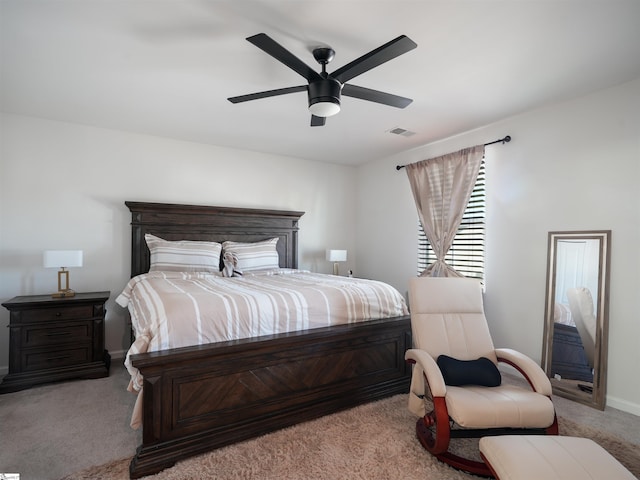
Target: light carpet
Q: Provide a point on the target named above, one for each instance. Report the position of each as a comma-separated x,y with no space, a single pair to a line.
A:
369,442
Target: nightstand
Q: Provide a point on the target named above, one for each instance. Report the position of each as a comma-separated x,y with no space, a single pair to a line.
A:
52,339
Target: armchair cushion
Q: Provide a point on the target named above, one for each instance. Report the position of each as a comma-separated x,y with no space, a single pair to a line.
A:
506,406
481,371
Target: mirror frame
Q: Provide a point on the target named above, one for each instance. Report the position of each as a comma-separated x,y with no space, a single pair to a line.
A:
597,398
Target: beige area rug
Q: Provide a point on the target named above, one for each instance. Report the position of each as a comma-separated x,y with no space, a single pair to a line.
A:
373,441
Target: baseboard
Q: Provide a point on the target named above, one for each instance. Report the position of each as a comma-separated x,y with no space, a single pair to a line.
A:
623,405
118,354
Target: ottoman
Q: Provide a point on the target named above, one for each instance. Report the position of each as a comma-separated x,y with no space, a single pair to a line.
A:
550,457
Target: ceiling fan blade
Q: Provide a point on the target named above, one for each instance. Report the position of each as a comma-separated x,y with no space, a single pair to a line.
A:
267,93
277,51
380,55
318,121
375,96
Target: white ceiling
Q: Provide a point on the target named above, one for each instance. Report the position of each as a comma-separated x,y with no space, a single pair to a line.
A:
166,67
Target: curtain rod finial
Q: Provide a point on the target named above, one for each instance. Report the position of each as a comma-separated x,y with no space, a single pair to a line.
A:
506,139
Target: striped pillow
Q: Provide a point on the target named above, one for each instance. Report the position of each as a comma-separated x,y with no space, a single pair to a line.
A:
253,256
183,255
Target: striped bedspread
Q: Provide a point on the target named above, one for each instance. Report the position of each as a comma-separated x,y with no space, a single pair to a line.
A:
175,309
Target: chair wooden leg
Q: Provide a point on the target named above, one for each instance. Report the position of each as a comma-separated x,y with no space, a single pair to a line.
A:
553,428
438,418
466,465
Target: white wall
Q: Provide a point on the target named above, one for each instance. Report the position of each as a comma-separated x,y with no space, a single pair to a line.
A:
571,166
63,186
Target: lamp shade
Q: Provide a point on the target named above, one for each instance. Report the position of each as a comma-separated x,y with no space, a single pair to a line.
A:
62,258
336,255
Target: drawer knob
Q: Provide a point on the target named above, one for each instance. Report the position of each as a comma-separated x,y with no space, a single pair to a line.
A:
58,314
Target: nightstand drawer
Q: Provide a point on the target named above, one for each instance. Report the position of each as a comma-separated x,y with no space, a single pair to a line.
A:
66,313
40,360
61,334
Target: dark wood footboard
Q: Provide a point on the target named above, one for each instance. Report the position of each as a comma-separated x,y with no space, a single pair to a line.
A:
204,397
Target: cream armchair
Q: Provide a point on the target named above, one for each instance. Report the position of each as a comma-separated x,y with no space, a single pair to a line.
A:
452,375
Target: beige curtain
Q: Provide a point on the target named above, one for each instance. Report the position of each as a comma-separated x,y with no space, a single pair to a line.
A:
441,188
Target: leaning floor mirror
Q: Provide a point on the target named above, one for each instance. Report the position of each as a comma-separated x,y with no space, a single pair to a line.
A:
574,353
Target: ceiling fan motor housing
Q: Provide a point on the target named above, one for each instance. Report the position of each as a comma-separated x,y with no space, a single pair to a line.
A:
326,90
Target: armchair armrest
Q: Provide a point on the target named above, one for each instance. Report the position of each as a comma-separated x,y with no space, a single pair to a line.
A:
430,368
528,368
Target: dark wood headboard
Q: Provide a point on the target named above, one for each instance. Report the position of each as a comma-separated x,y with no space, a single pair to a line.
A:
214,224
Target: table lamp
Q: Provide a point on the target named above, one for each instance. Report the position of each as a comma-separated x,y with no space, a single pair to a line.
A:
336,256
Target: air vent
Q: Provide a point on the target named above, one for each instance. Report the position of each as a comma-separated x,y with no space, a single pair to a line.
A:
402,131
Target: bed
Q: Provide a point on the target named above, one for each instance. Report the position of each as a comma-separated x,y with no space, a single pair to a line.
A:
200,397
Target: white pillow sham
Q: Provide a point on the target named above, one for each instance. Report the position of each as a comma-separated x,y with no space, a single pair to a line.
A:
183,255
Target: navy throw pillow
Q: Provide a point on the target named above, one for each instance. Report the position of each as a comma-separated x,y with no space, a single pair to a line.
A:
457,373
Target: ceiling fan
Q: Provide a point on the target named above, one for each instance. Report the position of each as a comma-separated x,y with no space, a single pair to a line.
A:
324,89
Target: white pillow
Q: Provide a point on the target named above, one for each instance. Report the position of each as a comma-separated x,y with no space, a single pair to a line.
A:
183,255
252,256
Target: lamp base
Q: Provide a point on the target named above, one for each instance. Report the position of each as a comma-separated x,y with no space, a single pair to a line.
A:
63,294
63,281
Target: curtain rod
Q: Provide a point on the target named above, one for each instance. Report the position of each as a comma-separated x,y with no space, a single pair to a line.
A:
504,140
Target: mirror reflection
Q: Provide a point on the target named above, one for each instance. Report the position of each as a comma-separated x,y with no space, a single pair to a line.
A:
574,352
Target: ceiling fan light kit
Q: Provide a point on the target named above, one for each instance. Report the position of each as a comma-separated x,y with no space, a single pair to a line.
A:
325,89
324,108
324,97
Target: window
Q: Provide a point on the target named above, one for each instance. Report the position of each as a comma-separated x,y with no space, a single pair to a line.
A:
467,252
